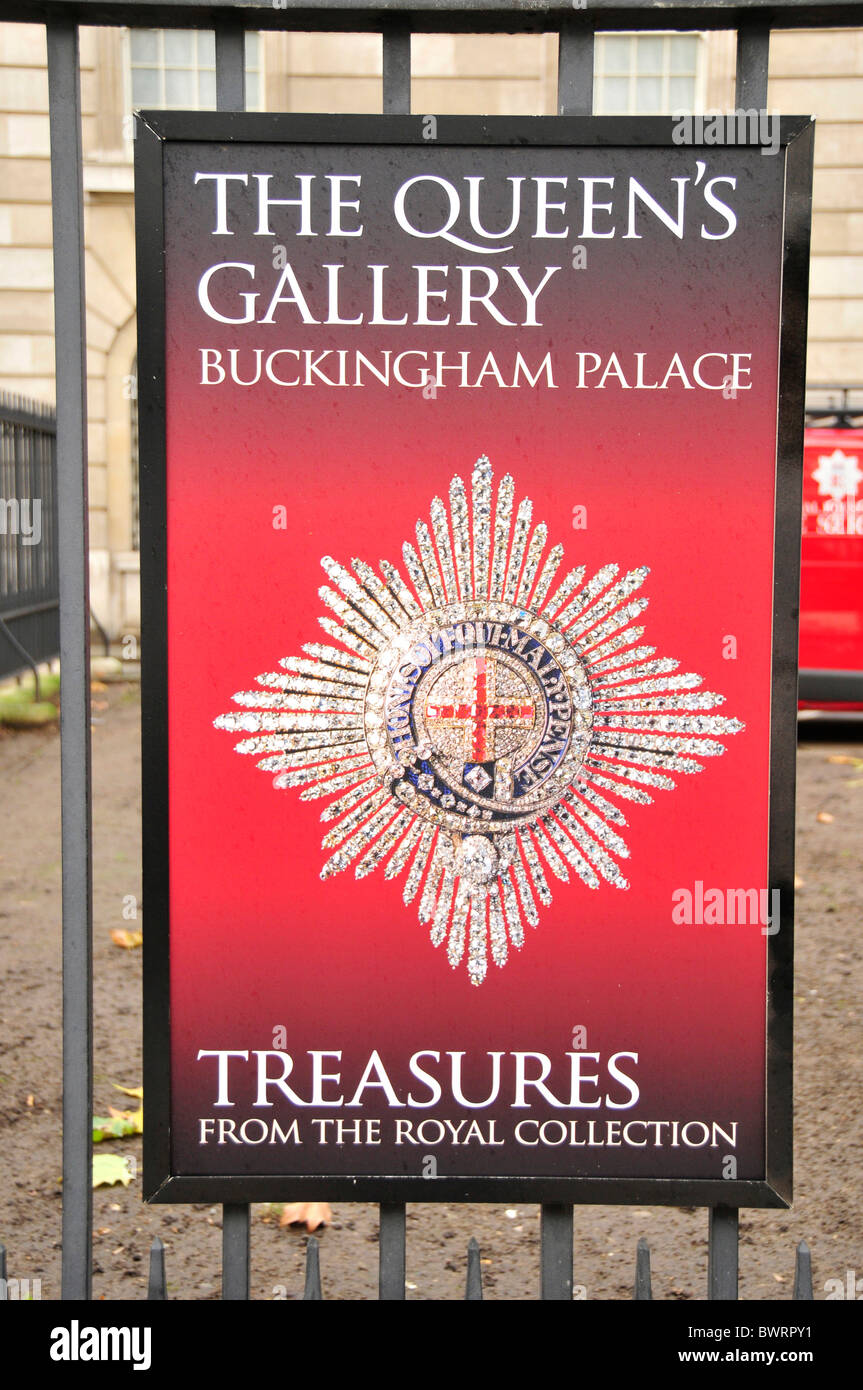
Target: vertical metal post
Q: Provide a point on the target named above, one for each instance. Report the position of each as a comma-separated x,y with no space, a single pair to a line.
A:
722,1254
473,1283
235,1251
231,96
803,1274
312,1292
643,1288
76,834
157,1286
574,70
396,101
753,53
391,1273
556,1252
397,70
230,67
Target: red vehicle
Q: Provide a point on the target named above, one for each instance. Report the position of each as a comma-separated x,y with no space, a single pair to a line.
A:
831,596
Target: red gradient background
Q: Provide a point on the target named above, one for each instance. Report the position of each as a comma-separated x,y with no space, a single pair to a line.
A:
680,480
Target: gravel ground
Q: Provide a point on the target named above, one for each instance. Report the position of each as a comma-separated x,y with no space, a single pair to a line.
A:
827,1211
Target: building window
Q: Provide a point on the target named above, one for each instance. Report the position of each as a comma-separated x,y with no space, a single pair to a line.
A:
176,68
647,74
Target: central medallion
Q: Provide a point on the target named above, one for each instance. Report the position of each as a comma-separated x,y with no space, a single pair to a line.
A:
481,709
478,715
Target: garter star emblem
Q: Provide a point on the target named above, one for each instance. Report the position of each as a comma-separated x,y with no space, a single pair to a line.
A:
481,722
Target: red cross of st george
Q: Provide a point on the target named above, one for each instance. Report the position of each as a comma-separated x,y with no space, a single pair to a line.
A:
479,715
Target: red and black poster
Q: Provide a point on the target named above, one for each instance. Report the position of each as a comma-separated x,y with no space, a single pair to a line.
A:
471,526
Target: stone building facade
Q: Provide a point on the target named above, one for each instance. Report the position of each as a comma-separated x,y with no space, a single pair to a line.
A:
819,72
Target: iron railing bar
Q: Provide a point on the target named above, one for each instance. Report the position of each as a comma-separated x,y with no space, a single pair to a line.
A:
397,70
575,70
75,781
442,16
313,1293
236,1233
753,55
556,1252
643,1285
391,1272
803,1274
473,1282
40,424
722,1254
29,609
230,67
235,1251
157,1284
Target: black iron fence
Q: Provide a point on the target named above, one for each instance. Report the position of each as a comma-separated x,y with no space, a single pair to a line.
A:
575,25
29,560
834,407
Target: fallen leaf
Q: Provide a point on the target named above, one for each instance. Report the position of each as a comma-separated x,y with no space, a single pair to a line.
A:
308,1214
109,1169
780,1278
825,817
31,1101
98,685
118,1125
127,939
798,881
133,1117
854,781
844,759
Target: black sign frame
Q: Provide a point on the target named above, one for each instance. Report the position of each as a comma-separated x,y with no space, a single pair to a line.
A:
161,1182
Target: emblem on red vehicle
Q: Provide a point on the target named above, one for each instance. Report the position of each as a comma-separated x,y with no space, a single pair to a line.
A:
838,474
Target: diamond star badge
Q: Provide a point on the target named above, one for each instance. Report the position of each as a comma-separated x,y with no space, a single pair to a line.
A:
477,718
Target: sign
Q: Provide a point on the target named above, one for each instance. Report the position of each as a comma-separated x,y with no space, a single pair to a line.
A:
470,548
